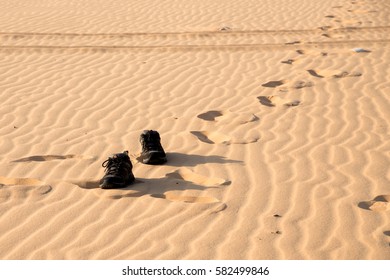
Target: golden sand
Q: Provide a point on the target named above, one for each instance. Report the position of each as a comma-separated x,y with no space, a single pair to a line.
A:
276,129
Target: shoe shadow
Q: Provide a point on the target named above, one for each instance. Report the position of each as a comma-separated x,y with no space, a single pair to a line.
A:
169,187
265,101
157,185
180,160
175,190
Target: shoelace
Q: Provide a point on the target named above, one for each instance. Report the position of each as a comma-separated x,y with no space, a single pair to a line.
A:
151,143
112,165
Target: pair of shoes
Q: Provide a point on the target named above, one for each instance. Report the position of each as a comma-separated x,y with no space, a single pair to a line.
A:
118,167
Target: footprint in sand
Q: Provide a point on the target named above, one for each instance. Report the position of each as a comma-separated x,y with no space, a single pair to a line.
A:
214,137
121,193
302,84
22,188
312,53
210,115
294,43
227,117
274,84
301,52
172,196
346,23
345,74
188,175
229,121
333,74
274,100
314,73
191,183
219,208
297,59
40,158
293,84
359,11
326,30
288,61
380,203
225,28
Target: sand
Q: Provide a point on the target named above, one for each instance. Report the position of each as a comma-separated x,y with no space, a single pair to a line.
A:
275,128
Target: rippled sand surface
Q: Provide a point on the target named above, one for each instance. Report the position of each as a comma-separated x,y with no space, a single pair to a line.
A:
274,115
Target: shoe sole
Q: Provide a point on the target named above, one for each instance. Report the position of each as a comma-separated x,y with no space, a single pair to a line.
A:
159,160
106,186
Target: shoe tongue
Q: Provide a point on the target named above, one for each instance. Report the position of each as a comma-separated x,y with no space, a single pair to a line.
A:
153,136
120,155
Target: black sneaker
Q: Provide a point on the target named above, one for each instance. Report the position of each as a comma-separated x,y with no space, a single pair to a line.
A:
152,151
118,171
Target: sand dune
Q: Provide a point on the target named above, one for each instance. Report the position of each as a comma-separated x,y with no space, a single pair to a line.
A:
276,129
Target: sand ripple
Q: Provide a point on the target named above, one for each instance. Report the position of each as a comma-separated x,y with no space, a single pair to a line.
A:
276,131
